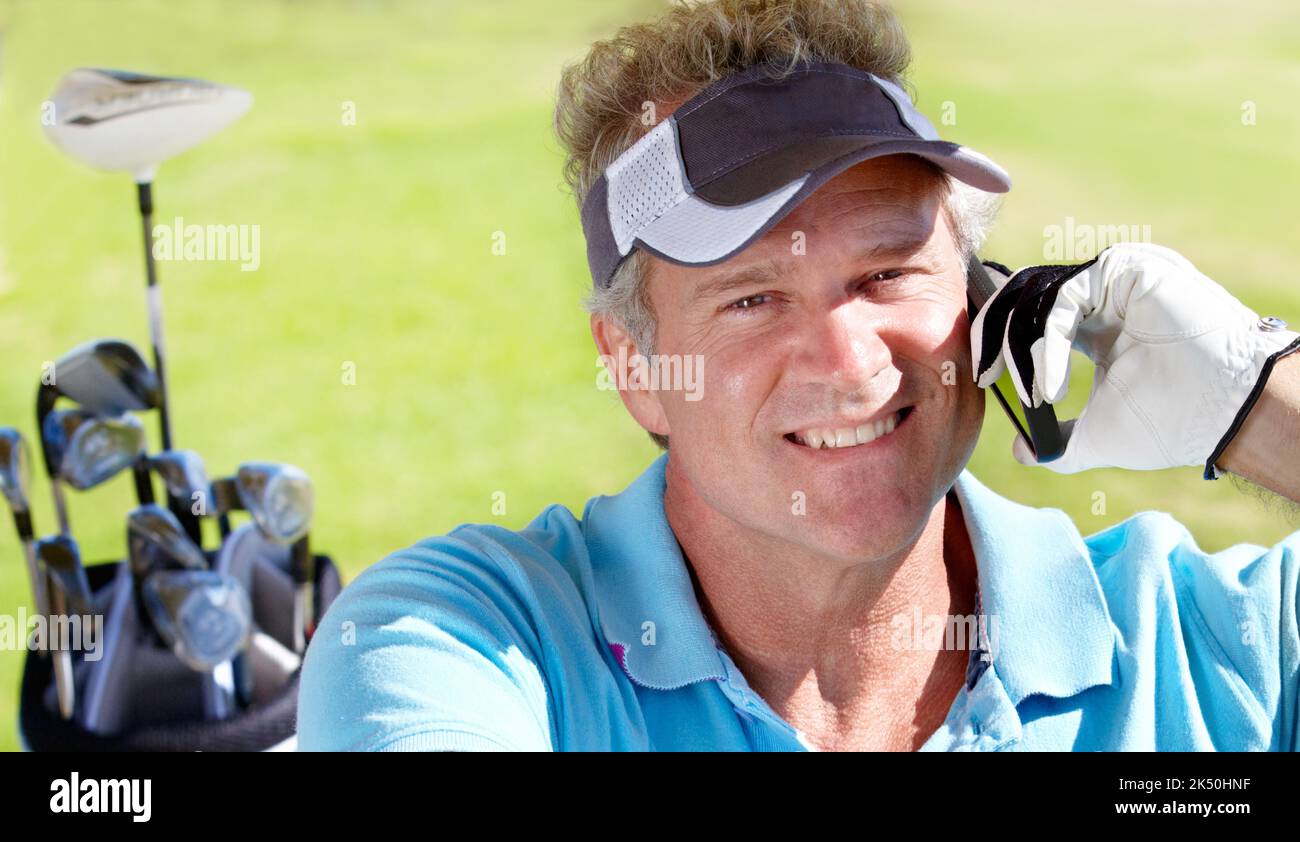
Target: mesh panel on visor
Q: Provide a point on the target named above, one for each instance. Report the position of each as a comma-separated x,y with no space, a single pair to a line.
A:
644,183
698,232
649,180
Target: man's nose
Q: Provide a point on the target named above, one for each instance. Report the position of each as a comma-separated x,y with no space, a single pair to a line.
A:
844,348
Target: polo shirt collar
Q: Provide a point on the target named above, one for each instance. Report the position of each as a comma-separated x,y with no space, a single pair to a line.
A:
644,594
1053,633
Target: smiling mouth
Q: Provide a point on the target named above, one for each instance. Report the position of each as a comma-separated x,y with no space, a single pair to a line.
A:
846,437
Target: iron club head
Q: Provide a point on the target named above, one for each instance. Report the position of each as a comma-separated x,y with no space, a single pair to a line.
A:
107,377
15,469
279,497
15,485
204,616
85,450
183,473
155,539
69,594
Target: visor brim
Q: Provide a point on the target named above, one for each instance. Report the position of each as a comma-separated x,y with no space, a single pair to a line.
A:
697,232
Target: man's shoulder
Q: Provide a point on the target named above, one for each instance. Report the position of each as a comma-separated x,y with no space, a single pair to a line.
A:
541,580
1154,543
541,567
1230,613
1152,555
479,634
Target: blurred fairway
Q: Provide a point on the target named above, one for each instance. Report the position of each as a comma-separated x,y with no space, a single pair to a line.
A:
475,372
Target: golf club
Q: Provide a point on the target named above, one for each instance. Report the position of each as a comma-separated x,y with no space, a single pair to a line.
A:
204,616
156,543
281,501
186,479
119,121
108,377
15,482
85,450
69,594
155,539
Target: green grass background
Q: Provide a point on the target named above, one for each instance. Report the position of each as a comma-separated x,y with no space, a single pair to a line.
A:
475,372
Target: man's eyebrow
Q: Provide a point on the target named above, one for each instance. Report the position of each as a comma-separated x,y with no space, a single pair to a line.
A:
748,276
902,246
728,280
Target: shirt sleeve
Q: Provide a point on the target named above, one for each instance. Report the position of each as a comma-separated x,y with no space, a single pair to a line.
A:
430,649
1247,601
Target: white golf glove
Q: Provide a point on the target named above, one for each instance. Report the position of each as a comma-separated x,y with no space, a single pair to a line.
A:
1180,361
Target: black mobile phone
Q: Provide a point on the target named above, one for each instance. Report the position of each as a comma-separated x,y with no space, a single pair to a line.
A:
1044,432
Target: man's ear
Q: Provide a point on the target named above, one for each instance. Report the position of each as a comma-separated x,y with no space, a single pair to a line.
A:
629,372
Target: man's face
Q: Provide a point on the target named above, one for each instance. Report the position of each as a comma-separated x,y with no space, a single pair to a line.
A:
868,320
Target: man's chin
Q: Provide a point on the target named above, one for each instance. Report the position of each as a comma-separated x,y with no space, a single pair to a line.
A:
863,518
847,496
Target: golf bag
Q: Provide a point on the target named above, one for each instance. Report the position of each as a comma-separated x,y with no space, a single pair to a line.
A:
136,695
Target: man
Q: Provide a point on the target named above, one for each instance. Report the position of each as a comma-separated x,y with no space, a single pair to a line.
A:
759,193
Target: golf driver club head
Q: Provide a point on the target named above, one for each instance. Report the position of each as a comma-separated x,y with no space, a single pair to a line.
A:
203,616
107,377
88,450
183,473
121,121
279,497
156,540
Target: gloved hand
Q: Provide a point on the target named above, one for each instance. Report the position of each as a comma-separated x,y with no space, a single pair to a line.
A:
1179,360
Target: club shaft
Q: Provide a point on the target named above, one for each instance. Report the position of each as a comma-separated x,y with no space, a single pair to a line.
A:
145,195
300,619
23,524
244,678
40,588
60,506
303,571
39,596
63,681
219,692
143,482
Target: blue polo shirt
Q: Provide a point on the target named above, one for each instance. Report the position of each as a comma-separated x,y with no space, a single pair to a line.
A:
586,635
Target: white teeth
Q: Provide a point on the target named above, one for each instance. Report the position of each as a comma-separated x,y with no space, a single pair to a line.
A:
848,436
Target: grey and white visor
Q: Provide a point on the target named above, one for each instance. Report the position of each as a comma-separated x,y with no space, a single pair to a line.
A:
733,160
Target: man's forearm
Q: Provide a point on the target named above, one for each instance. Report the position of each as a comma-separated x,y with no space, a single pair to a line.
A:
1266,450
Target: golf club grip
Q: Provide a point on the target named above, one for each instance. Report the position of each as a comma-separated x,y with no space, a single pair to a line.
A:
1044,434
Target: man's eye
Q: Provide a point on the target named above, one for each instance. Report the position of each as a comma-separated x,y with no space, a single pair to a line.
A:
887,275
749,302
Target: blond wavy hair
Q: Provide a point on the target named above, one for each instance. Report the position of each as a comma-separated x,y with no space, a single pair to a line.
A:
602,99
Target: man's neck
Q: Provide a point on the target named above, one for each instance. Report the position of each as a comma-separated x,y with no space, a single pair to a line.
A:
828,643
